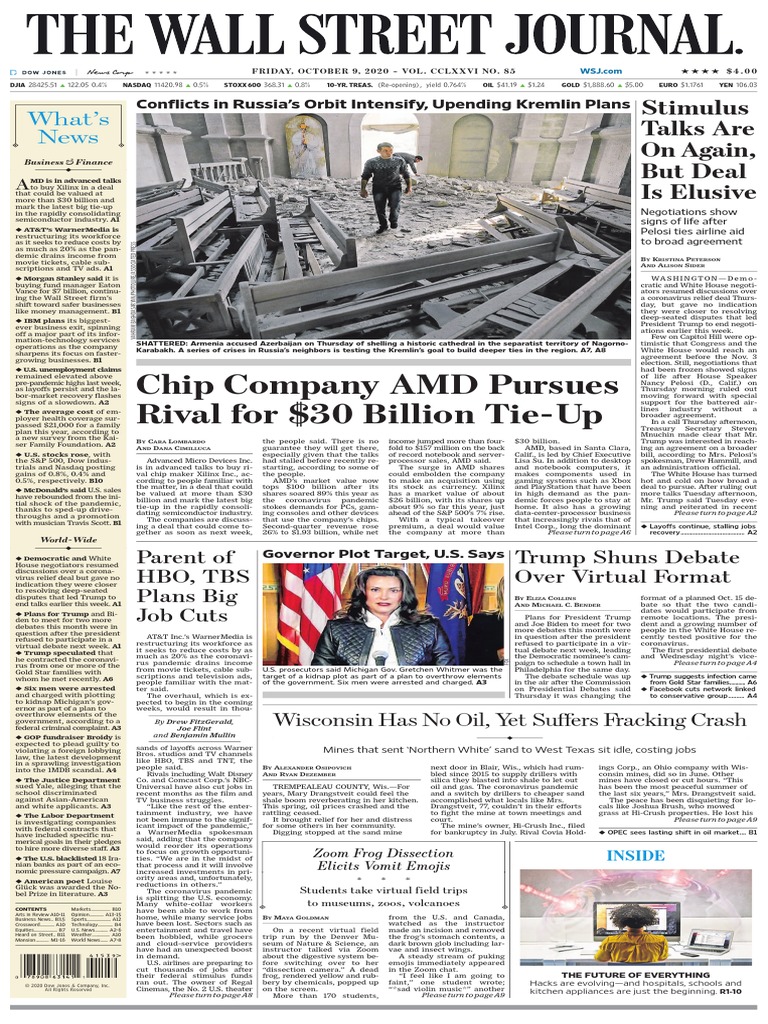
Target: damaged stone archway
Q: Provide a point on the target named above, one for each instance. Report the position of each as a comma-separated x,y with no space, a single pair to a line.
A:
403,131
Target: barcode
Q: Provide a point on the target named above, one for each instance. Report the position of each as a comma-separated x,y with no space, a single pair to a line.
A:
50,965
101,967
66,965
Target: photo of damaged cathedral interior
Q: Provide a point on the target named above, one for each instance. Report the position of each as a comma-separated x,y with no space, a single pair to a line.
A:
371,226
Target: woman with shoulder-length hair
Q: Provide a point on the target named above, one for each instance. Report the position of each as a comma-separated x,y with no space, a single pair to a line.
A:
382,626
634,945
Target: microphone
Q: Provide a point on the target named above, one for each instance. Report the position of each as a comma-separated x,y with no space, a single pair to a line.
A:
379,657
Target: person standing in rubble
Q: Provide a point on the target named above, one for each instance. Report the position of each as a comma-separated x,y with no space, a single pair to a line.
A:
387,170
411,160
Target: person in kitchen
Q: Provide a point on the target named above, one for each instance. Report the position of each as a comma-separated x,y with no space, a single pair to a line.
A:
634,945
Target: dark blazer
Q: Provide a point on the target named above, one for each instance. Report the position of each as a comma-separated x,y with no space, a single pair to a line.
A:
348,642
485,636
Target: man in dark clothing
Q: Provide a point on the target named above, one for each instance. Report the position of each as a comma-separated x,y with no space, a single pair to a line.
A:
386,171
411,160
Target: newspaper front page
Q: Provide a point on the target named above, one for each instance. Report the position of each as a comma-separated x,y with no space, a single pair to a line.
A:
384,522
